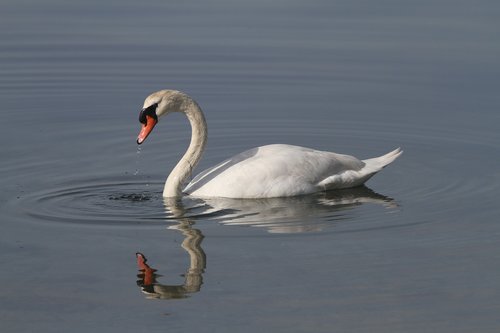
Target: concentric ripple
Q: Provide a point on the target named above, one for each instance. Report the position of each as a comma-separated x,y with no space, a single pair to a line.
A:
99,202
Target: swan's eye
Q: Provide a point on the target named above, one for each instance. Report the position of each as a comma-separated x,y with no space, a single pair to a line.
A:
149,111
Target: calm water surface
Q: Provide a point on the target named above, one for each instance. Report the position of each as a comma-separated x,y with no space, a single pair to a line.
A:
416,250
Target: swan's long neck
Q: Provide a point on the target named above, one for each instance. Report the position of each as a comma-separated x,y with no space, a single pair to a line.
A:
177,178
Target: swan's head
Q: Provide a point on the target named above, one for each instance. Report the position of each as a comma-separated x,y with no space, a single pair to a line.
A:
148,118
156,105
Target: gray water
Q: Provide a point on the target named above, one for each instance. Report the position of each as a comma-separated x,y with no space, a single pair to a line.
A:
416,250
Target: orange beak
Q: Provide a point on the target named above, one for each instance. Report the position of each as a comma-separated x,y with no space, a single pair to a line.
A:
146,129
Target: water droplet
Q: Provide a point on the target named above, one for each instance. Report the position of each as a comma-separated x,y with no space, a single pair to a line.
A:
138,155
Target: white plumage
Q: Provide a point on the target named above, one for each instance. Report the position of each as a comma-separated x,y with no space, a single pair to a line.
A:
276,170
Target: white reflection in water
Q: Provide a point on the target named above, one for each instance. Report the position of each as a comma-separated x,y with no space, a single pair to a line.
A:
310,213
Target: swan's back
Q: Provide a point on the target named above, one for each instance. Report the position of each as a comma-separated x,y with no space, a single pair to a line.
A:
282,170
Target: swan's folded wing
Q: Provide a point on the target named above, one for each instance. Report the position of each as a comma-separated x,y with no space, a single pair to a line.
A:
208,174
272,171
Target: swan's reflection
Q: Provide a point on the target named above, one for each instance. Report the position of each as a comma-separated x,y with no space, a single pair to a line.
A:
310,213
277,215
193,277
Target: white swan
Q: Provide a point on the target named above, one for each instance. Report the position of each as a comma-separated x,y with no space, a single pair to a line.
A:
275,170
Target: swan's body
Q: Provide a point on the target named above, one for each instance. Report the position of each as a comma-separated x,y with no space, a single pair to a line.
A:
282,171
276,170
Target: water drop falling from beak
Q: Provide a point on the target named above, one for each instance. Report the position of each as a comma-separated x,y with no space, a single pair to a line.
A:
138,155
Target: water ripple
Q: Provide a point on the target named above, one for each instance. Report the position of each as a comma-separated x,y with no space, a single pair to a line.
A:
133,202
97,202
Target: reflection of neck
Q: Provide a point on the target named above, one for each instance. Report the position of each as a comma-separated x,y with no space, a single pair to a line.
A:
197,256
178,176
191,243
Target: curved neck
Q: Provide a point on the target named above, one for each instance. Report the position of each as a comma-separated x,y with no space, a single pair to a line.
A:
177,178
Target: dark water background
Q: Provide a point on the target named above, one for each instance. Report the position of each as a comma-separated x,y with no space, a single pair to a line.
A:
416,251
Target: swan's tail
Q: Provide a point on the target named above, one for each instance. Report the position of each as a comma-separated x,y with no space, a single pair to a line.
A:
378,163
352,178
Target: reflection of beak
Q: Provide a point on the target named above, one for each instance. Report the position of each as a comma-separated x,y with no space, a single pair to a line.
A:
141,260
146,129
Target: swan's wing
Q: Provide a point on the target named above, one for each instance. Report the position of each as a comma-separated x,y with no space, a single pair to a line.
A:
210,173
271,171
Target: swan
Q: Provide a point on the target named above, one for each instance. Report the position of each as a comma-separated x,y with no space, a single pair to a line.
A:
275,170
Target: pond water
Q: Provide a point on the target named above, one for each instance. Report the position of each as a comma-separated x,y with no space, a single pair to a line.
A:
416,250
